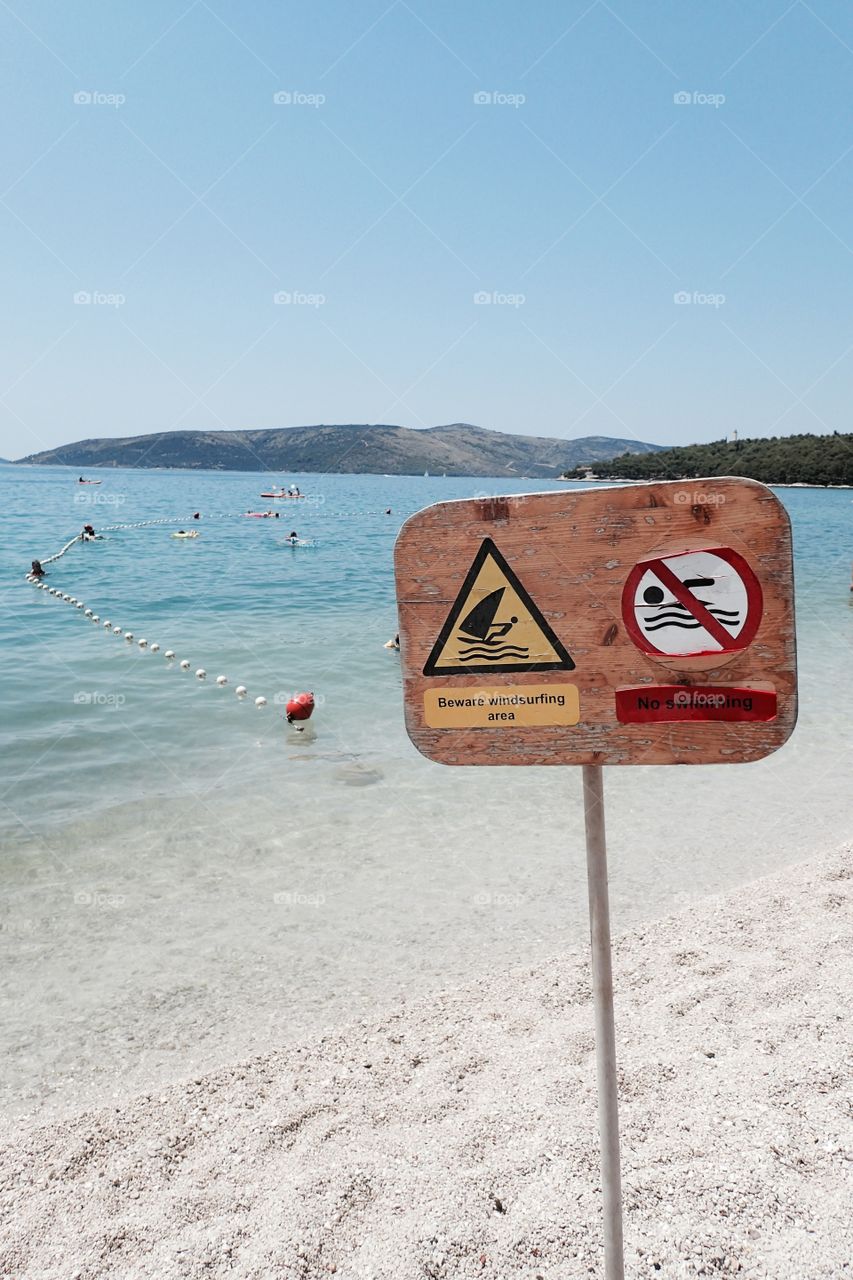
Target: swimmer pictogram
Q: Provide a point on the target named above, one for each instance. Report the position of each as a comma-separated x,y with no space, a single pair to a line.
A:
494,625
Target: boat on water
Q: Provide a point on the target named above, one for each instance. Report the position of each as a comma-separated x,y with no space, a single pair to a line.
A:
82,481
282,493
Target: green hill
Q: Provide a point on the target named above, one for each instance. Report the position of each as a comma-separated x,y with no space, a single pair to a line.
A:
807,459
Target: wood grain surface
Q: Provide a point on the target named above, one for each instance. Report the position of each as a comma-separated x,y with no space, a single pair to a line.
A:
573,553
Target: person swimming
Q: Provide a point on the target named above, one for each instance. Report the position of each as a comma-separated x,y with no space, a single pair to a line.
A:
392,644
293,537
37,571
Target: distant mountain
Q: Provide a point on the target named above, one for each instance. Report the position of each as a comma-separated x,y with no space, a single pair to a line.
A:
457,450
803,459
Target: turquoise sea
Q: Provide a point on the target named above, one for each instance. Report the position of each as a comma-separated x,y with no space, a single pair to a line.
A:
186,882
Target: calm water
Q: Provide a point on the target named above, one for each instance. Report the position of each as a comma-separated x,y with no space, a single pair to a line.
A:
186,882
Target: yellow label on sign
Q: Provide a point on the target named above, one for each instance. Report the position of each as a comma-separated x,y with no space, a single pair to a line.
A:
527,705
495,626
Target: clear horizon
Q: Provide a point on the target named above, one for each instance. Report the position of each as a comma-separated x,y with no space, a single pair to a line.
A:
569,221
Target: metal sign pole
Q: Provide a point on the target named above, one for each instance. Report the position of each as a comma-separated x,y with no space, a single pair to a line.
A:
605,1036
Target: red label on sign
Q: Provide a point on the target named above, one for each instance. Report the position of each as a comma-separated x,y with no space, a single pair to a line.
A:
673,703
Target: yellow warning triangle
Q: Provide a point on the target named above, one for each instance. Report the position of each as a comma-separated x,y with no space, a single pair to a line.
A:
494,626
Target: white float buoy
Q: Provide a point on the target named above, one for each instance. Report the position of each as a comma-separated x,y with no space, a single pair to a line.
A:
221,679
116,631
201,673
241,691
128,635
95,618
185,666
143,644
260,702
88,613
79,604
107,622
153,647
71,599
169,654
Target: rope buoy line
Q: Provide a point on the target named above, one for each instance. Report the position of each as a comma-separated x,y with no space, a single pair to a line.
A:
144,645
220,515
299,708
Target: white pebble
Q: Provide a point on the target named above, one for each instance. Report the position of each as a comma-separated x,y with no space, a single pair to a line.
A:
221,679
185,666
201,673
241,691
260,702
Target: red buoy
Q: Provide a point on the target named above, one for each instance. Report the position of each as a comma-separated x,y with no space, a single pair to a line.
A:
300,708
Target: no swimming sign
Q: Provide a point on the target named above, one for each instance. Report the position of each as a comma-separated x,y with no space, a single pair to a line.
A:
606,626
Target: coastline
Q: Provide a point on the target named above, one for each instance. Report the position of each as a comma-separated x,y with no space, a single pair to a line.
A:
456,1136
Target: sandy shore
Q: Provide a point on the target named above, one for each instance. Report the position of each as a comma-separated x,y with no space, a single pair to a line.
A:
457,1137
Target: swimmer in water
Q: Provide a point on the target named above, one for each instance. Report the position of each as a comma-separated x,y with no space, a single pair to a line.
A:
392,644
37,571
293,537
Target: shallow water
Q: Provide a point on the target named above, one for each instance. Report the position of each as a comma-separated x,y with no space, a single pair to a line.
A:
186,882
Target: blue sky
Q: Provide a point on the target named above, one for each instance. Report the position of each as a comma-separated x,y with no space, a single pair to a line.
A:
652,267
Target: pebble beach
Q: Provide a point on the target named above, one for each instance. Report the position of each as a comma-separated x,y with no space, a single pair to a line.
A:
456,1136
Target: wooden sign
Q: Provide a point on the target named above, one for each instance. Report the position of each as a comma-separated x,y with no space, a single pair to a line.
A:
648,624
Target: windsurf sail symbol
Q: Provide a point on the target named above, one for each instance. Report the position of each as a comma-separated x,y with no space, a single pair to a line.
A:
480,636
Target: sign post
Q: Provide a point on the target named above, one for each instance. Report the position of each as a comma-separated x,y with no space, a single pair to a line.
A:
648,624
605,1031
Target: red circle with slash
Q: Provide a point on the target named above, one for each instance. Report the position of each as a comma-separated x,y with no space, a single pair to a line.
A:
667,619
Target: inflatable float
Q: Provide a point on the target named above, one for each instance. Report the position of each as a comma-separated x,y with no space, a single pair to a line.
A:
182,533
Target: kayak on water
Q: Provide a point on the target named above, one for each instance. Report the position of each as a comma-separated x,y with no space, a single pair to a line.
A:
283,495
82,481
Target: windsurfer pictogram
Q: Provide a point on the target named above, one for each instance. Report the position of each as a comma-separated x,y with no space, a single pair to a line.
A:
495,626
481,637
